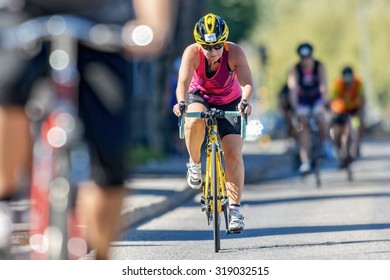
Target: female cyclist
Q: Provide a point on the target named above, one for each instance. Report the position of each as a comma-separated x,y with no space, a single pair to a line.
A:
215,73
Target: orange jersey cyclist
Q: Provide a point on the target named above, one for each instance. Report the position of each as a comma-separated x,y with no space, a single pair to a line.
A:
347,98
215,73
349,90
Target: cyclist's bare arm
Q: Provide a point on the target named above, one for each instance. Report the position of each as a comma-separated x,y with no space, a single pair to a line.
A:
189,62
238,62
160,16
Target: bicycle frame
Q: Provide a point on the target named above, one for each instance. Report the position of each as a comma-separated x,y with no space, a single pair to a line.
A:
214,198
213,147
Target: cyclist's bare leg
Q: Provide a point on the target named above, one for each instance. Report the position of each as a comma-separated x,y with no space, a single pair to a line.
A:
232,147
194,132
345,134
99,209
337,130
352,140
292,132
303,137
14,148
323,125
342,142
346,142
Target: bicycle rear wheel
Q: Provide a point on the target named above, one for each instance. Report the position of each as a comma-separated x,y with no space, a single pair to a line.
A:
315,159
214,184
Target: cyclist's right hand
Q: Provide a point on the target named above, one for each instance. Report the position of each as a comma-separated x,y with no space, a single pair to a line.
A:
179,108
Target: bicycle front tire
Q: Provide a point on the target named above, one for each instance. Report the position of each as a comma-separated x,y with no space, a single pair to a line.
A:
214,184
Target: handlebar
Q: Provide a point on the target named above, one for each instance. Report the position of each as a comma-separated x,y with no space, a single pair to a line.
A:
212,114
110,37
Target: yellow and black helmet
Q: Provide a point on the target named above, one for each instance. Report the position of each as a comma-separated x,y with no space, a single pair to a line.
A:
211,30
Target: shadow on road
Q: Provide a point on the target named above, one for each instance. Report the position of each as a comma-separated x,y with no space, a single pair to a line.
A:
313,198
312,229
305,245
196,235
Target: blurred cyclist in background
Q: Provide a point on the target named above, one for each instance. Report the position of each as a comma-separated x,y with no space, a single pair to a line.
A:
284,102
215,73
347,100
307,82
106,129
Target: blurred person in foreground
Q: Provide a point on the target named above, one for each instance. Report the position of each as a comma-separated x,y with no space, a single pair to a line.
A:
100,200
347,100
307,82
215,73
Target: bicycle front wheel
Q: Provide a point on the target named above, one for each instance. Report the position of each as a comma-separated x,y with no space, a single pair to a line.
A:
214,184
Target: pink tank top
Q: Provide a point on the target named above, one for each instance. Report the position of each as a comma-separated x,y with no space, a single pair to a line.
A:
220,89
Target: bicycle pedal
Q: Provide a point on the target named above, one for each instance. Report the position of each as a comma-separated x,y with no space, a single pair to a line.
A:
203,206
234,231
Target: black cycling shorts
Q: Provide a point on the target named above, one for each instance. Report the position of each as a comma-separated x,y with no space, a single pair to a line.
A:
226,126
104,100
342,119
105,88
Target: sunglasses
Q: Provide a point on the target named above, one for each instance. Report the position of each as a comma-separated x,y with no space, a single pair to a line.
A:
210,47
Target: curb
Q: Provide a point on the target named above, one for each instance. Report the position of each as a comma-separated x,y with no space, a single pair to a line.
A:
132,215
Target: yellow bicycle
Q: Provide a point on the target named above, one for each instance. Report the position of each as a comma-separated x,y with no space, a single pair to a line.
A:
214,200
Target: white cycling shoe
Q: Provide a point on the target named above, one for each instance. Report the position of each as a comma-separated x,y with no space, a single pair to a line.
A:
236,222
304,168
194,175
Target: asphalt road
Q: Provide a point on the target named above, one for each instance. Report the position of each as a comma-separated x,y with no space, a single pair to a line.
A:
286,219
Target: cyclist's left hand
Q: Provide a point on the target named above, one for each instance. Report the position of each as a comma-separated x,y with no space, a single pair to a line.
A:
247,109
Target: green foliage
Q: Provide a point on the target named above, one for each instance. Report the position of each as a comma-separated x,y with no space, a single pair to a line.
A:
342,31
240,16
142,154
